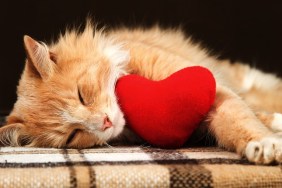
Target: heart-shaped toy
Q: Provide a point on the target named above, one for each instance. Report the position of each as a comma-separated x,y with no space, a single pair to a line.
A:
165,113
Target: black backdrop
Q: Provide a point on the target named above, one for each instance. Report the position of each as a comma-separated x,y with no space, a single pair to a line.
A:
249,30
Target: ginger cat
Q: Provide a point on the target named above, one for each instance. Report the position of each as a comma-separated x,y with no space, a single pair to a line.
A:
66,94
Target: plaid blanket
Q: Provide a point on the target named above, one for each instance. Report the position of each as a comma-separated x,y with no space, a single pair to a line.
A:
132,166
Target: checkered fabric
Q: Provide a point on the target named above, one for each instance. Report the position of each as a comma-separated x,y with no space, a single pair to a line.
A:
132,166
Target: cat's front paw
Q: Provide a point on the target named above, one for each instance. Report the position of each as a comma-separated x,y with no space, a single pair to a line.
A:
265,151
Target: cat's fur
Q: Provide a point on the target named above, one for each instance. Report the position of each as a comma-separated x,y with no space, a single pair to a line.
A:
66,93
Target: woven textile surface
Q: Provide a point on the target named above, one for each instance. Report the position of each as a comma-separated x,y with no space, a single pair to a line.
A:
132,166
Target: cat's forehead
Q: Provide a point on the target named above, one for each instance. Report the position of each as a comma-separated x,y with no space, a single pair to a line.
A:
89,46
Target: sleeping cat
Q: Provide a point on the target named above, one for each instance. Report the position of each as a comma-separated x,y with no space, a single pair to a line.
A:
66,94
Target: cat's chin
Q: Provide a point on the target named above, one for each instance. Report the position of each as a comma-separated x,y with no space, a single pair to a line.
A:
117,118
118,125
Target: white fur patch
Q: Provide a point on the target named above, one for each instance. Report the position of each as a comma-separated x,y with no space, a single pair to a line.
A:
258,79
118,58
116,54
276,124
114,75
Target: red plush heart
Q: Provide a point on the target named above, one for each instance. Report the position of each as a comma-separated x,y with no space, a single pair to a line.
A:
165,113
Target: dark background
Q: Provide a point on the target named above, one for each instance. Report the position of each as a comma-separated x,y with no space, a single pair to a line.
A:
248,31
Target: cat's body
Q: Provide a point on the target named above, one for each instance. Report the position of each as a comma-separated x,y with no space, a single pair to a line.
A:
66,94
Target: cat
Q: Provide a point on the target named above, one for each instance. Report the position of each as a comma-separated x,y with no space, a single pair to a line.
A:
66,94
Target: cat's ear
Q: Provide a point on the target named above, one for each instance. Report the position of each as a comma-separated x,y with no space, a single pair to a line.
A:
39,57
12,135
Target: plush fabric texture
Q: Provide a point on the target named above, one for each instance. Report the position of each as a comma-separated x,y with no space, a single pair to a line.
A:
132,167
166,112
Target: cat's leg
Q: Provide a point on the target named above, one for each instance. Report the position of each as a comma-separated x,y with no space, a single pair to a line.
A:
236,127
262,91
272,120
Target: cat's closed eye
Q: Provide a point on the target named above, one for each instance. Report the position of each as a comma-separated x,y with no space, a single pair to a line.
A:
80,97
72,136
85,95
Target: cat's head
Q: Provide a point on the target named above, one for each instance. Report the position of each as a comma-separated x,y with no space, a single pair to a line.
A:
66,94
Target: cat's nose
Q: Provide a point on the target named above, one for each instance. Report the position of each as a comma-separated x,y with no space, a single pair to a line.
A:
107,123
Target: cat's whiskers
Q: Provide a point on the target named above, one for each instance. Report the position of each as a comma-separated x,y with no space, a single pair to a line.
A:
108,145
145,146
